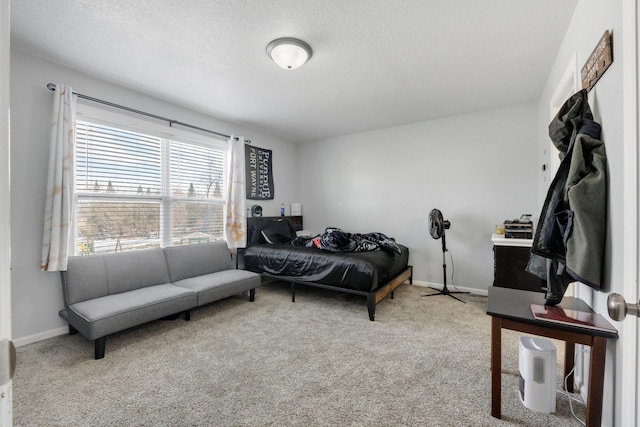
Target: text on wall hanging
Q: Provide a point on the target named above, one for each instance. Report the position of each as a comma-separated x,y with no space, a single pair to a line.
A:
259,168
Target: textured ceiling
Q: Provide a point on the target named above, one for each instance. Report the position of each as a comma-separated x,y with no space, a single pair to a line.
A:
375,64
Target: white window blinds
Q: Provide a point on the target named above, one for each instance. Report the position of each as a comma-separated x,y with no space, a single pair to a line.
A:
138,191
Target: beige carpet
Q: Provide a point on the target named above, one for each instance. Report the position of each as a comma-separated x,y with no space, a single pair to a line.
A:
316,362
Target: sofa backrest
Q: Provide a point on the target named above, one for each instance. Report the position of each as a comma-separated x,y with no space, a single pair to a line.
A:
95,276
85,278
195,260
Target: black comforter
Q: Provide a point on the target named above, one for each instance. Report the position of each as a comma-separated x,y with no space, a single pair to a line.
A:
362,271
337,240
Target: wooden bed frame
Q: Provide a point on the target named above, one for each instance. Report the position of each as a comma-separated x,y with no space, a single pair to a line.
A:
373,297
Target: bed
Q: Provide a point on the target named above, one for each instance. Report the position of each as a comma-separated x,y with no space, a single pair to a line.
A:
373,274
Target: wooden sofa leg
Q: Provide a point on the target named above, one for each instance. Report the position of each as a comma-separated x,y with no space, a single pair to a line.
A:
187,315
72,330
100,345
252,295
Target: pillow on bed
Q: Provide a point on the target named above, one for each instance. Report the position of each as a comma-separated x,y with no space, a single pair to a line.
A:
278,232
254,230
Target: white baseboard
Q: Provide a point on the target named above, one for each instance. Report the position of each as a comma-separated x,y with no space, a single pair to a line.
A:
18,342
474,291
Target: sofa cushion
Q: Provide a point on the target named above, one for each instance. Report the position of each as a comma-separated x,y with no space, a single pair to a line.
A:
89,277
222,284
85,279
127,271
102,316
197,260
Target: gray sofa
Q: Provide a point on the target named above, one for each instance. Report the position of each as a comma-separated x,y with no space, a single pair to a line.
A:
109,293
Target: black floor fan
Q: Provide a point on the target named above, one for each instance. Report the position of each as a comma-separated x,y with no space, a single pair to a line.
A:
437,226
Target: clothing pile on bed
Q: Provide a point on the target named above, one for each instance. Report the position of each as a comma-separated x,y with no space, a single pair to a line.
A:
336,240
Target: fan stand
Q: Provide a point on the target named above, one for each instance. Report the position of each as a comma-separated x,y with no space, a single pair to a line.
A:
445,290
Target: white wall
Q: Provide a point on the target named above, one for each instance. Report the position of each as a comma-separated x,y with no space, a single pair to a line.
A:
478,169
590,20
36,295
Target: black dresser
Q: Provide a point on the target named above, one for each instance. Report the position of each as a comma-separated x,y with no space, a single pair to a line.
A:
510,257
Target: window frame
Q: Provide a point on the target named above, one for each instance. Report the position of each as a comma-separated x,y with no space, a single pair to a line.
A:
167,135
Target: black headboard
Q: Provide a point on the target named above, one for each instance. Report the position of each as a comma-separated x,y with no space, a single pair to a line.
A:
258,223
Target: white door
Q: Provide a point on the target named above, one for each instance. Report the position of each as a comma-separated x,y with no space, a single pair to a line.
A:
5,237
628,373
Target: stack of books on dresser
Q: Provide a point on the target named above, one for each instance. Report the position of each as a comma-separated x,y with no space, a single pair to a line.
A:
518,229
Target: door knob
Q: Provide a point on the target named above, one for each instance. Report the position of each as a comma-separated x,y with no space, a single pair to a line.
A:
618,307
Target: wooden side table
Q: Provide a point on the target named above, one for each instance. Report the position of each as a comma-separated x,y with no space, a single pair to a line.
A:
509,309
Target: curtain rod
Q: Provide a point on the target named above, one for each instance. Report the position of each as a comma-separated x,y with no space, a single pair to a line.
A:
52,87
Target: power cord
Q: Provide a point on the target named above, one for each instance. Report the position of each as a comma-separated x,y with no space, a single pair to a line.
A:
571,396
453,272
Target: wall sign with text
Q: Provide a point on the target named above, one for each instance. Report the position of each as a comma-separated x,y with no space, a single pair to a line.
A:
259,173
598,62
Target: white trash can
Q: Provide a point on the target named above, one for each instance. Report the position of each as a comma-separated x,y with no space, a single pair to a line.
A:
538,374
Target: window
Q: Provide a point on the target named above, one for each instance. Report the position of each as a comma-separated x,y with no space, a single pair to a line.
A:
139,189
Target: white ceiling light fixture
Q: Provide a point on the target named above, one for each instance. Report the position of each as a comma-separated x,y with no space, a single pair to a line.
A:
289,53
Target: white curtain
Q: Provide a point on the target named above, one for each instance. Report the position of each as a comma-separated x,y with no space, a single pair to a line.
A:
235,224
59,204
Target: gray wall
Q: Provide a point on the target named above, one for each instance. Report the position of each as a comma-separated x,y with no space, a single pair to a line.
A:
478,169
36,295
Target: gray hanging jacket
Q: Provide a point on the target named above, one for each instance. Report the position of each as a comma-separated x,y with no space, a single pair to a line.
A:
570,237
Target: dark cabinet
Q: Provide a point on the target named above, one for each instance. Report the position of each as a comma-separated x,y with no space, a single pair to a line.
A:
509,262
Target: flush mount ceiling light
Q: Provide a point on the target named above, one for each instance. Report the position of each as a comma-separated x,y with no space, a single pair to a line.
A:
289,53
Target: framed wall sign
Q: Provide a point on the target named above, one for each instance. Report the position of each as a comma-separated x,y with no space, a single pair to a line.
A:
259,173
598,62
